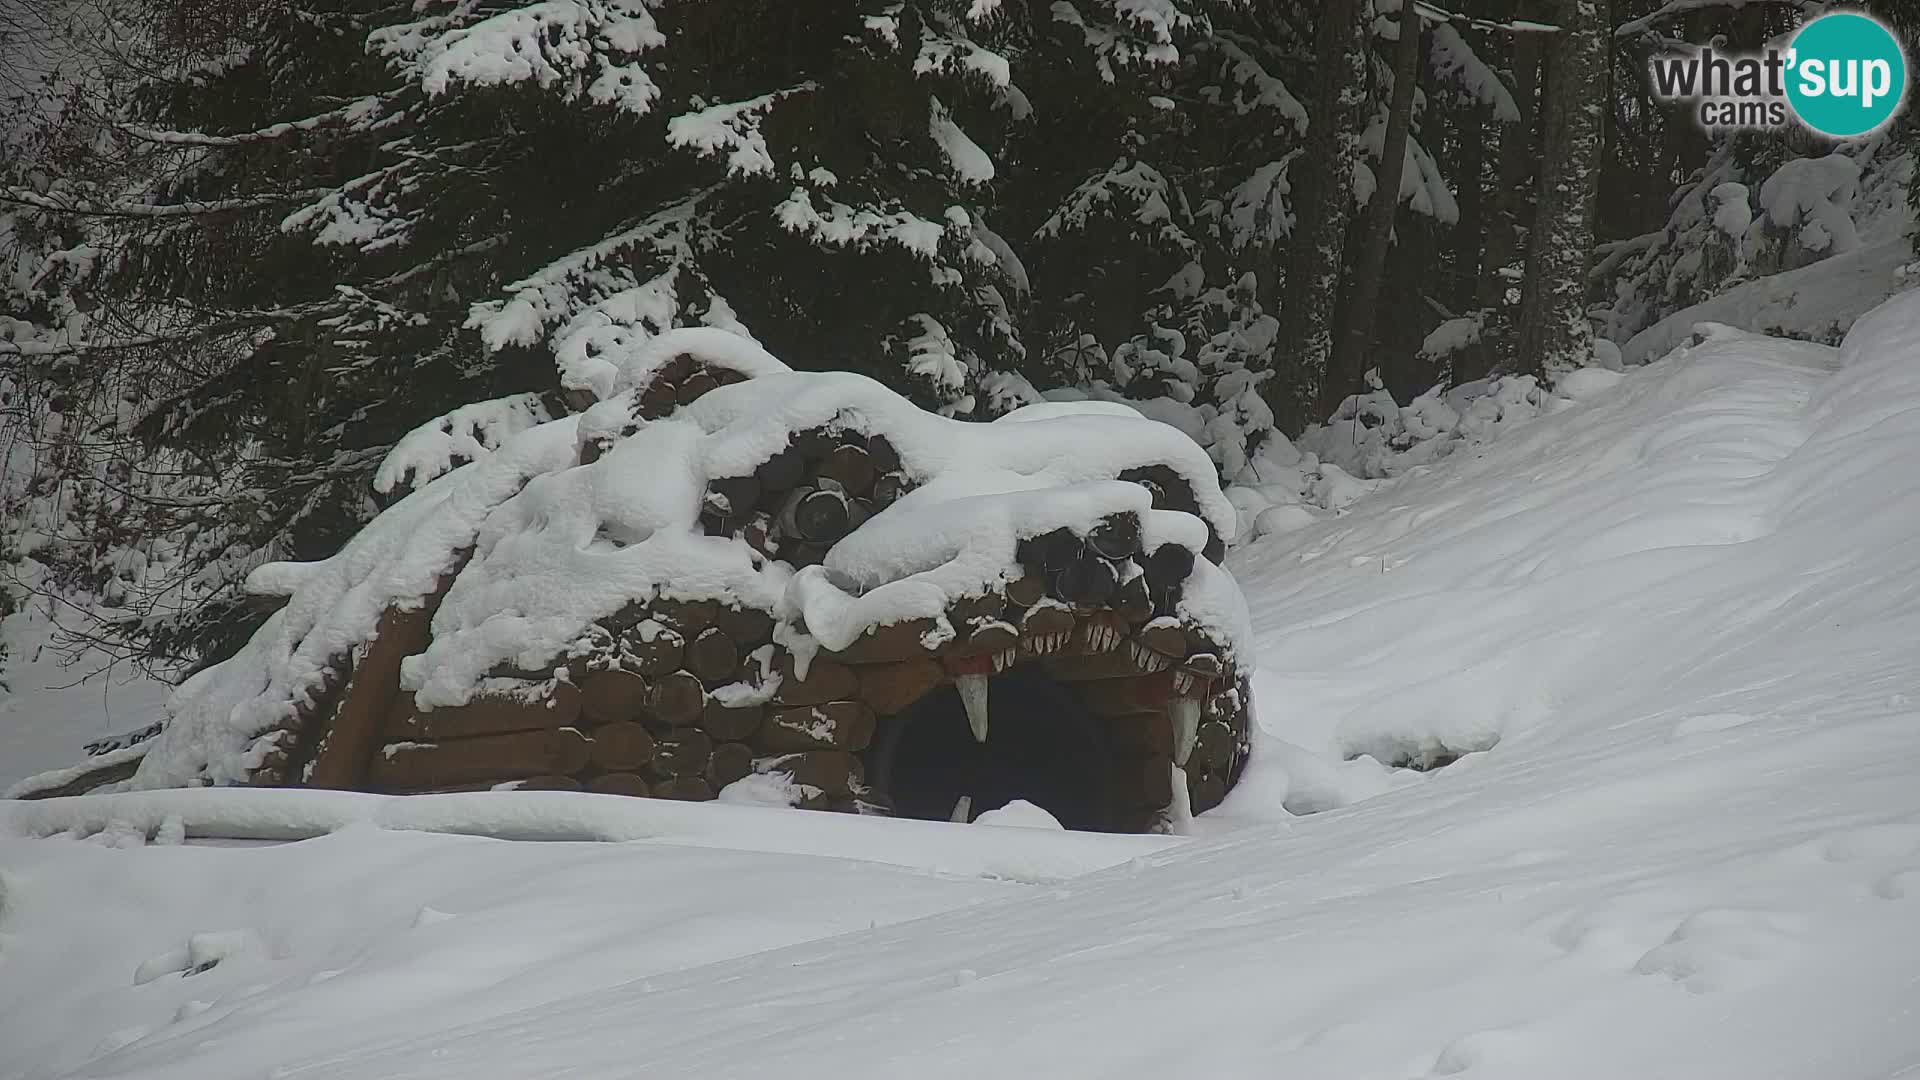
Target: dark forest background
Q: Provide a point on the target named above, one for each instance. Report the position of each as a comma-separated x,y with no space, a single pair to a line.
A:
246,246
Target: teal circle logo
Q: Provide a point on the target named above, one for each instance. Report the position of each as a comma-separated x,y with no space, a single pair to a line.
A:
1846,75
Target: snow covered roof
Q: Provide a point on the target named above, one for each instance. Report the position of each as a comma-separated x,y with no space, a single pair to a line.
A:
704,474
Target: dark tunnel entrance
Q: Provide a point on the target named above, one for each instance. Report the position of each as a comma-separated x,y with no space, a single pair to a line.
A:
1043,746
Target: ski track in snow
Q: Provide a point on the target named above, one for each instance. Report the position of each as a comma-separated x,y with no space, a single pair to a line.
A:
1680,619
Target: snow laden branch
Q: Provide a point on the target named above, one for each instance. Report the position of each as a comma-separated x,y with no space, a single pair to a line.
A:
581,48
948,55
1432,14
1141,32
89,208
1258,88
1455,62
732,127
1673,9
361,111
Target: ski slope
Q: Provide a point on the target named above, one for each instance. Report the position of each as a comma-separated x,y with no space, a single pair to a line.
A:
1678,620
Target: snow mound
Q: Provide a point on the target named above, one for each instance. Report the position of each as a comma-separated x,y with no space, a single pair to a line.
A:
565,522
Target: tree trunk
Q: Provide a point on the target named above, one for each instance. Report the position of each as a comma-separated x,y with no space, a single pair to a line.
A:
1555,335
1518,156
1322,207
1345,374
1470,235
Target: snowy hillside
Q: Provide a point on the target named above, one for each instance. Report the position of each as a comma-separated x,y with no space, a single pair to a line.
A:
1678,617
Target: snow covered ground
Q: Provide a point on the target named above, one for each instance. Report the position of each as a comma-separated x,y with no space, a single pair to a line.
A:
1679,618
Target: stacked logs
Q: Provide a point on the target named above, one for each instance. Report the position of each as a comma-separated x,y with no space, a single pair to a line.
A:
1171,491
801,501
680,381
671,708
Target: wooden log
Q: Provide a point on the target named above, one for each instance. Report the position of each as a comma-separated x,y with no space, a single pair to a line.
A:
621,746
834,725
1207,665
989,638
656,400
987,605
1055,550
749,627
344,757
413,766
802,553
96,777
653,648
758,535
1213,746
889,688
850,467
613,695
1117,536
491,714
835,772
730,761
827,680
815,443
1165,636
1170,489
677,698
1132,600
675,369
1216,549
620,783
881,452
727,376
694,386
681,752
478,785
1045,629
1086,582
895,641
887,489
631,614
821,516
737,495
1207,792
549,782
689,617
723,723
782,472
1168,565
1027,589
713,657
684,788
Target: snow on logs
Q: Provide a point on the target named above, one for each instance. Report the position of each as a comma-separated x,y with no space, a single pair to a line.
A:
728,580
